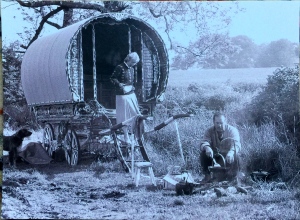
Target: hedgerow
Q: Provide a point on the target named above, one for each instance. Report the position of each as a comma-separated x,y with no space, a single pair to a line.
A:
279,102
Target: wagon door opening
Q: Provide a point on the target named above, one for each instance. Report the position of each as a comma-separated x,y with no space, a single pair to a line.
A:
101,45
104,46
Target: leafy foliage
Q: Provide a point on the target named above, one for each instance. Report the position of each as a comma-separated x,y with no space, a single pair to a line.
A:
16,116
11,89
246,56
278,53
279,100
209,51
11,59
16,111
235,52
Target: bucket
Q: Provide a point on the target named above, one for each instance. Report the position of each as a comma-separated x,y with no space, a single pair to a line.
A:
218,173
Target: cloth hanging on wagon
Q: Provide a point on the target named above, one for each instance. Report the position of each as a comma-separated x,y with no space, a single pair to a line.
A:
34,153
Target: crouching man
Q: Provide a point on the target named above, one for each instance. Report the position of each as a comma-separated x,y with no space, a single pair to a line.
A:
220,144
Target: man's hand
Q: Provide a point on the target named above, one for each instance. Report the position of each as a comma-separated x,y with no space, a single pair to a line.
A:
230,157
209,152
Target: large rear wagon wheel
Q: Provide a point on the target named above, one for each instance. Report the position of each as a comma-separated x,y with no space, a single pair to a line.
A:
48,139
124,152
71,147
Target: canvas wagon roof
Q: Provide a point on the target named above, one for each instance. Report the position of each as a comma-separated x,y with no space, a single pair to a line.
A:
44,67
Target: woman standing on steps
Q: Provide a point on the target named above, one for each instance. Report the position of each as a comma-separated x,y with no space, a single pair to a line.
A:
126,101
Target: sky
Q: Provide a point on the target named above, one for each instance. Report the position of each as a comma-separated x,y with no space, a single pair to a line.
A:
268,21
262,21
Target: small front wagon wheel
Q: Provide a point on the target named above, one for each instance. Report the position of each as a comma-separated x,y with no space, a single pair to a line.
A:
48,142
71,147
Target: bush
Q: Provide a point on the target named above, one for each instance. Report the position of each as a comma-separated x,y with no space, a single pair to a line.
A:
246,87
262,150
279,100
16,116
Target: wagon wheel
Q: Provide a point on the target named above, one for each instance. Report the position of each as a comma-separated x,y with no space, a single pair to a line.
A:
71,147
48,142
124,153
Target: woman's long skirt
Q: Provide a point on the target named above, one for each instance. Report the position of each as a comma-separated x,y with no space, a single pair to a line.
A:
126,107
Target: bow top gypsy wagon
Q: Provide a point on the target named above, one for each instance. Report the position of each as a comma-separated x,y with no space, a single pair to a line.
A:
65,78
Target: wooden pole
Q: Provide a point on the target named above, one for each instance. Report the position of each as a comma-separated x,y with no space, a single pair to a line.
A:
179,141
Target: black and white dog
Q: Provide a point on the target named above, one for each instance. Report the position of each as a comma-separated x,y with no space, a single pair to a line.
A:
11,144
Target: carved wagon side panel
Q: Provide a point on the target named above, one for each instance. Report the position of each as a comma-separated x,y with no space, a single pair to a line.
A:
75,68
150,69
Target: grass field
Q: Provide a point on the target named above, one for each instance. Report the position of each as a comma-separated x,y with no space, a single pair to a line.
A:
179,78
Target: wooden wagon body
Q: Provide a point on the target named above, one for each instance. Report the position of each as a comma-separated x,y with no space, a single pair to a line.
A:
65,78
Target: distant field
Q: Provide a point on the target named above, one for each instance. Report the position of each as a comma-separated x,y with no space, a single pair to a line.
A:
213,76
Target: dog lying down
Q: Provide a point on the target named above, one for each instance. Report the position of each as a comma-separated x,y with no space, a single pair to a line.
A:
13,142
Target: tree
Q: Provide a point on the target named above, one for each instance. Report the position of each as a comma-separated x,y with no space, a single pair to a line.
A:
11,61
170,16
11,58
278,53
209,51
245,56
43,11
192,18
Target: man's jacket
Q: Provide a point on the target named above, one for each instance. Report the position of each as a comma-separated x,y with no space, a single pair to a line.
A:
229,140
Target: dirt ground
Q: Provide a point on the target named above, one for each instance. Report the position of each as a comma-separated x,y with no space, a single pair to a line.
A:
95,190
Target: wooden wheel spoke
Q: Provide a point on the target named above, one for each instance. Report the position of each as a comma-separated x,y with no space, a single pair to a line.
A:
124,153
71,148
74,157
48,139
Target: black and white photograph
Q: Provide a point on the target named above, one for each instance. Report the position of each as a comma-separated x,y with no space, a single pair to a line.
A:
150,109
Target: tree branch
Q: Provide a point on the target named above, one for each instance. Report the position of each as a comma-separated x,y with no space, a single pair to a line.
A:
67,4
216,38
68,14
197,55
39,29
54,24
154,14
168,33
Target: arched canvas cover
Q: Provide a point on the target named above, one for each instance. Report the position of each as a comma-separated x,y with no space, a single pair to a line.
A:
47,74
